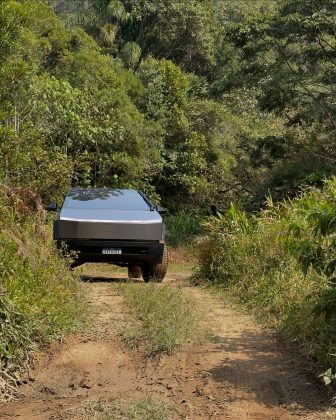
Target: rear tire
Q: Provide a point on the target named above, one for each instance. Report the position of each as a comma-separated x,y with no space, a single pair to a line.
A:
134,272
156,272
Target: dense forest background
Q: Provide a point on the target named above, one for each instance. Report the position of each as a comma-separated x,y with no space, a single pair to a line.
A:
196,102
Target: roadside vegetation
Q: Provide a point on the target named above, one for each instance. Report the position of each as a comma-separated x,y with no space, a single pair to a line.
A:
182,228
39,296
182,232
281,264
165,318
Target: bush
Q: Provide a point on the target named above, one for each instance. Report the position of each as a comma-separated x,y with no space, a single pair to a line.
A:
39,296
277,264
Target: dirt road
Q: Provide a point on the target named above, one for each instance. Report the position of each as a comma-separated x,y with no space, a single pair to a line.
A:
242,372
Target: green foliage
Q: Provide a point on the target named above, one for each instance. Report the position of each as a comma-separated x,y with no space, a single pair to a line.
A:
188,37
39,296
194,133
281,265
285,51
130,54
166,317
40,287
73,105
240,92
182,228
328,376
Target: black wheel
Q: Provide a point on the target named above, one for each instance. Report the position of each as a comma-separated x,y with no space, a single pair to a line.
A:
147,273
156,272
134,272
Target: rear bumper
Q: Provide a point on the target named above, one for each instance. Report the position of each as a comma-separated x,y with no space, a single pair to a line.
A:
132,252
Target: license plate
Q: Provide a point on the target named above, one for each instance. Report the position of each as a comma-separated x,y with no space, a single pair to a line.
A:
111,251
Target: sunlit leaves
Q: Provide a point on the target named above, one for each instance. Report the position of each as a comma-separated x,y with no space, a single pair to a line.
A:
108,33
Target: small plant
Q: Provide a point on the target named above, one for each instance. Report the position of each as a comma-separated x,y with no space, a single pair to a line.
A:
328,376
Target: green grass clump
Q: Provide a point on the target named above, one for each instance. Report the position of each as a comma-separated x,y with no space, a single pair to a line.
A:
39,284
165,317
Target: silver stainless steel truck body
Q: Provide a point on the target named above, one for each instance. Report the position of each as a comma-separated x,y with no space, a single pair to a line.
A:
109,214
120,227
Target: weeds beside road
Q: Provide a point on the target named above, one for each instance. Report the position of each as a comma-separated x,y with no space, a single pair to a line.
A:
281,264
39,296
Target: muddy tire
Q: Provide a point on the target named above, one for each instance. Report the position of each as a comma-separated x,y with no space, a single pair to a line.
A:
157,272
134,272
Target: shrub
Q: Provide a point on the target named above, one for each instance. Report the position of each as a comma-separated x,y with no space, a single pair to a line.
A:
277,264
39,296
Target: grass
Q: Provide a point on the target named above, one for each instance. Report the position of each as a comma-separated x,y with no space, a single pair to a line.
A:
248,257
40,297
164,317
40,301
102,270
144,409
147,409
182,228
181,259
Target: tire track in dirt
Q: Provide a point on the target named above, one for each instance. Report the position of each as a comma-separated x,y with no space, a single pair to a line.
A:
244,372
259,376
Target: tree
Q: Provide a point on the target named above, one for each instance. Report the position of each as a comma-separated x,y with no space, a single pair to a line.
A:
179,31
62,99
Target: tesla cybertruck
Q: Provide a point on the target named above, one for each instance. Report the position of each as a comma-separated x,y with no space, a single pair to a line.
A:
120,227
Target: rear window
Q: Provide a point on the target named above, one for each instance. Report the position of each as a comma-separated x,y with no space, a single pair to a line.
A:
105,199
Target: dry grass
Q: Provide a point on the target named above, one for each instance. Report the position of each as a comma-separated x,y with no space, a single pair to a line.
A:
102,270
144,409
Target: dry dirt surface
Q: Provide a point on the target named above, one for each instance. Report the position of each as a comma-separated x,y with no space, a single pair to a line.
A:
241,372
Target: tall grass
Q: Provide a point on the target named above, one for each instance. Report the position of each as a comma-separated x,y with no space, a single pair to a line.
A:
39,296
273,263
165,317
182,228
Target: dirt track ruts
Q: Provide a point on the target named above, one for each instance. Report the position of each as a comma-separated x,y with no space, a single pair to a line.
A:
243,372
